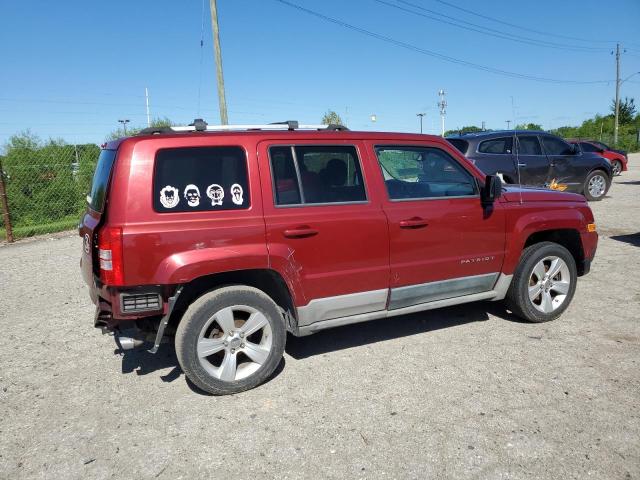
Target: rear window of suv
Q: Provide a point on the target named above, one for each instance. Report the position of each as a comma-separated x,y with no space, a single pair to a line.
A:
501,145
100,180
200,179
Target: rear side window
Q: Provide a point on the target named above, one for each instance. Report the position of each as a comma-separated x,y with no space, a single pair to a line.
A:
100,180
461,145
316,175
422,172
201,179
555,146
496,145
529,145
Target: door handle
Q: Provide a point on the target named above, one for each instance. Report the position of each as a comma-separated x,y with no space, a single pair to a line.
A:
300,232
415,222
522,164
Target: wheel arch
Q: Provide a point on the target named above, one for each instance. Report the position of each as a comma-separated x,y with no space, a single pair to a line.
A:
266,280
569,238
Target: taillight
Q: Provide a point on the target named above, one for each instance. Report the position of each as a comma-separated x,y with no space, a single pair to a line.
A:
110,256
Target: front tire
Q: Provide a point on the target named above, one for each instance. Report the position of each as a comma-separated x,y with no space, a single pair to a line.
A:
544,283
596,185
230,340
616,167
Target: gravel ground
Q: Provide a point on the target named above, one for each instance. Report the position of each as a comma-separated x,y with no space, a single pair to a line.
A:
464,392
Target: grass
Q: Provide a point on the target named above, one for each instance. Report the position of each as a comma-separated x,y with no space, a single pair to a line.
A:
24,231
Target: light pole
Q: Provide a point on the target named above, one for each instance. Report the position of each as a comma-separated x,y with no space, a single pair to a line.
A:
421,115
443,107
508,123
124,125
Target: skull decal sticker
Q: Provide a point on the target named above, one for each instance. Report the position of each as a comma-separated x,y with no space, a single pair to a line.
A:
236,194
169,196
216,193
192,195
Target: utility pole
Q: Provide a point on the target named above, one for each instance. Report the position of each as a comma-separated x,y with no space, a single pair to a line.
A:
617,108
5,208
124,125
443,107
483,127
224,120
420,115
146,96
508,124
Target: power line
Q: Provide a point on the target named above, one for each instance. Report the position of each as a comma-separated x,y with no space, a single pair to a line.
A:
474,27
520,27
431,53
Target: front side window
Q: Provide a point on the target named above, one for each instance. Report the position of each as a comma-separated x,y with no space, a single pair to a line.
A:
496,146
412,172
587,147
529,145
555,146
200,179
316,175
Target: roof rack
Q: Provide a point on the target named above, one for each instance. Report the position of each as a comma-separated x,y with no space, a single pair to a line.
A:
199,125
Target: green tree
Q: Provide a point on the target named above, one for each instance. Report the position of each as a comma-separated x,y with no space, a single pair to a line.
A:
529,126
332,118
626,112
460,131
158,122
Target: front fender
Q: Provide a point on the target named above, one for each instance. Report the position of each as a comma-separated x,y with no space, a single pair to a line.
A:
531,218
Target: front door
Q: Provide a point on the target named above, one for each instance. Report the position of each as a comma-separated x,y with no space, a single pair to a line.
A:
443,243
532,163
324,229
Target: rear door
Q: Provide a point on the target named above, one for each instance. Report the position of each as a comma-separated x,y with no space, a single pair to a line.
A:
96,202
443,243
533,165
324,228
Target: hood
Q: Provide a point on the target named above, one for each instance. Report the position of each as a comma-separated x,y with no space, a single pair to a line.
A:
513,193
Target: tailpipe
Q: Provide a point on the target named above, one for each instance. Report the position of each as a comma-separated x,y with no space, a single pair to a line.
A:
128,343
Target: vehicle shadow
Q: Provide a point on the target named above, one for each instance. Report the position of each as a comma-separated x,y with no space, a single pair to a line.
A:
142,362
359,334
631,239
630,182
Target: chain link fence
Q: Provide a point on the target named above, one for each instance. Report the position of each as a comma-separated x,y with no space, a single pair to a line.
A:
43,186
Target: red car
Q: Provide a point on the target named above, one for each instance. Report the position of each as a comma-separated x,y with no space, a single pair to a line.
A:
226,238
617,158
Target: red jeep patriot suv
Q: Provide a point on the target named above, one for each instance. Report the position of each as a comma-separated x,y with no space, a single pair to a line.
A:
226,238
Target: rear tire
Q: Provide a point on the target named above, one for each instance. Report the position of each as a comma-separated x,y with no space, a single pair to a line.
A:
596,185
543,284
230,340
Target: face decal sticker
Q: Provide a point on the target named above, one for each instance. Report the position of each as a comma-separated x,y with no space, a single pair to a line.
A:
236,194
169,196
192,195
216,193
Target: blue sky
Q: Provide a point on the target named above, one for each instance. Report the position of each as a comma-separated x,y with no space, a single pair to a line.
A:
71,69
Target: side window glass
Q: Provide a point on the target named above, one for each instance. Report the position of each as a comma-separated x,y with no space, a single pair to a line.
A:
200,179
285,179
587,147
529,145
423,172
496,146
555,146
316,175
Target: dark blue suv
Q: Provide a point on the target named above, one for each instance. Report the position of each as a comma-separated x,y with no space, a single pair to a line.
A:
537,158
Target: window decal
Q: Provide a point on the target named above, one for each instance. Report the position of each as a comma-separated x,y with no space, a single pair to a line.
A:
216,193
236,194
192,195
169,196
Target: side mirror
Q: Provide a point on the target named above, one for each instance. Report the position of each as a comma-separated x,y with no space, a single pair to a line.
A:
491,190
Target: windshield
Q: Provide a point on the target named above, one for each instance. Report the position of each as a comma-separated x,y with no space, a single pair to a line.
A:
100,180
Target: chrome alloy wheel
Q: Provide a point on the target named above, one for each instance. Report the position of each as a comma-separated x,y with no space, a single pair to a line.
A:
597,186
617,167
234,343
549,284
